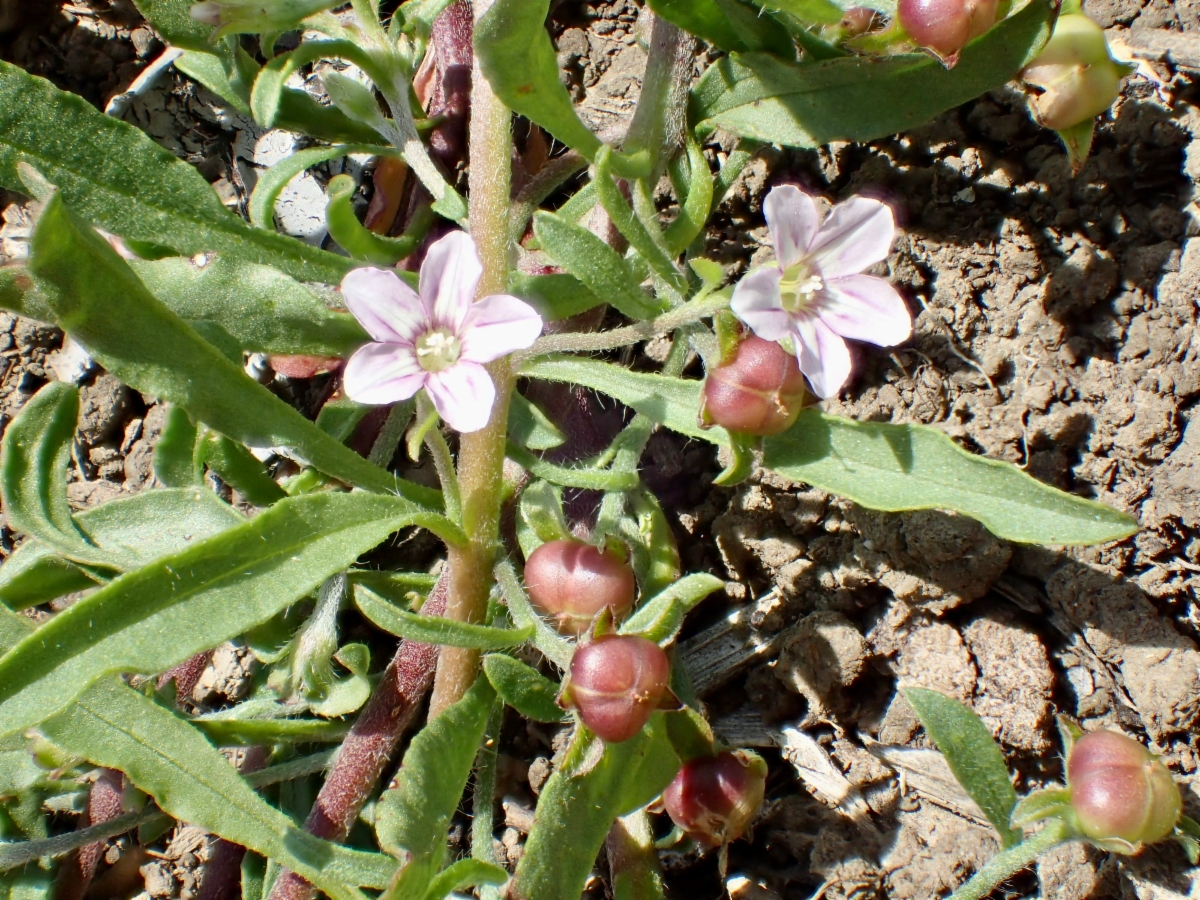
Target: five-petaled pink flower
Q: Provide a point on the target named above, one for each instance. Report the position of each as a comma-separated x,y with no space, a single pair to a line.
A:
438,339
817,293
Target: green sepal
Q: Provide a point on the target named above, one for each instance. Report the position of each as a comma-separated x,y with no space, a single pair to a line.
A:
1040,805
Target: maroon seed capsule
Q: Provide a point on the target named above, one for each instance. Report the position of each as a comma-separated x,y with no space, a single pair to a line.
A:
715,798
1120,791
946,26
616,682
760,391
573,582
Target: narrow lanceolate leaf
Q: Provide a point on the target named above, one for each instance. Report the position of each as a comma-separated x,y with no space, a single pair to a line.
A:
899,467
661,616
726,24
112,725
593,262
435,629
973,755
272,182
523,688
858,98
258,308
519,62
464,874
155,617
575,811
33,473
99,300
120,179
673,402
131,531
170,18
413,818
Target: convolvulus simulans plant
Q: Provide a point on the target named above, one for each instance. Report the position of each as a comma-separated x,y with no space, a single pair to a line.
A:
137,260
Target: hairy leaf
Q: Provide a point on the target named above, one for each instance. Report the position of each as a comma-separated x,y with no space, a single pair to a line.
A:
414,816
899,467
464,874
554,646
98,299
523,688
858,98
726,24
157,616
209,70
660,617
434,629
112,725
530,427
973,755
272,182
572,476
519,62
175,463
594,263
34,455
171,19
117,177
557,296
540,517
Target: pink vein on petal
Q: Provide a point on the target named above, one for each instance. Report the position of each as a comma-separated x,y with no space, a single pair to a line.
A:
463,395
382,373
449,276
857,234
824,357
756,301
496,326
385,306
793,220
865,308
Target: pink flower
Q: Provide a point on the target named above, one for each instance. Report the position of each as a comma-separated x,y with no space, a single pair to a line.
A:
437,340
817,294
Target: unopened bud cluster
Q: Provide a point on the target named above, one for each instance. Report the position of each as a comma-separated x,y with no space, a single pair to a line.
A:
1121,794
1078,78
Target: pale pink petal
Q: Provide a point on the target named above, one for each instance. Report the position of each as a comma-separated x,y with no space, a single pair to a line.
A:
857,234
865,308
793,220
382,373
756,302
449,276
463,395
496,326
824,357
384,305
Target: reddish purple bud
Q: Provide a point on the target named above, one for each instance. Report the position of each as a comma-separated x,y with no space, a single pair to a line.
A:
616,682
715,798
573,582
759,391
946,26
1122,794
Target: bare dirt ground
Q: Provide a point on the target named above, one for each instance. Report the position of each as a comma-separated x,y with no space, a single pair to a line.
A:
1055,327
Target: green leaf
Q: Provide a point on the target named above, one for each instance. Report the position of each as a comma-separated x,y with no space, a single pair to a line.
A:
100,301
572,476
155,617
530,427
464,874
524,689
175,453
272,182
112,725
672,402
555,297
1040,805
134,531
208,69
359,241
519,62
19,294
973,755
227,731
695,207
117,177
898,467
540,517
857,98
241,470
726,24
816,12
172,20
258,308
554,646
645,530
660,617
434,629
593,262
34,455
342,696
575,811
414,816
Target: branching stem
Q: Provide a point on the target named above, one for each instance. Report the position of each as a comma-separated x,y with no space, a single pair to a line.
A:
1005,865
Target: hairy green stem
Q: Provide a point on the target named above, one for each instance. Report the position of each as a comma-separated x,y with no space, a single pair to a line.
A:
481,453
1005,865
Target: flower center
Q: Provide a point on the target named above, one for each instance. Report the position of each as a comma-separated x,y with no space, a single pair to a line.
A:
798,287
438,350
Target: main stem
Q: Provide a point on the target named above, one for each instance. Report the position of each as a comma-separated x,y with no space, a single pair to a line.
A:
481,453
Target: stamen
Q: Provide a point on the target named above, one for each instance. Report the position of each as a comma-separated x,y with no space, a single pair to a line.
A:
798,287
438,350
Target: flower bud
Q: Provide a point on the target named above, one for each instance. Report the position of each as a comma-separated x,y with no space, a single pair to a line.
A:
573,582
616,682
715,798
759,391
858,20
1121,793
1078,78
946,26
